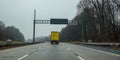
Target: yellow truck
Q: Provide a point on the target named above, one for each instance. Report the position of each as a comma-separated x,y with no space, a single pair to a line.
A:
55,37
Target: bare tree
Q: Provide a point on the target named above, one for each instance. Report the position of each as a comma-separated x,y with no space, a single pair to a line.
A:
2,25
104,12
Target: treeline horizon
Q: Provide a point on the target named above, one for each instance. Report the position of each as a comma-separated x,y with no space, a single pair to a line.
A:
97,20
10,33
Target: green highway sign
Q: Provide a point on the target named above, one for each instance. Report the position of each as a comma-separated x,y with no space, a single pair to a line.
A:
58,21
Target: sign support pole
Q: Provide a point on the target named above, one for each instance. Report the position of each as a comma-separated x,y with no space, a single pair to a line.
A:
34,26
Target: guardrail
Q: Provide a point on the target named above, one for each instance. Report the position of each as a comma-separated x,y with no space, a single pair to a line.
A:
100,44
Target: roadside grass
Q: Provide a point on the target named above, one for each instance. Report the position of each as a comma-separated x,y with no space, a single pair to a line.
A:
16,42
2,42
11,42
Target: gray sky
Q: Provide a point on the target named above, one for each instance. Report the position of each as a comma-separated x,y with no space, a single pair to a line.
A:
19,13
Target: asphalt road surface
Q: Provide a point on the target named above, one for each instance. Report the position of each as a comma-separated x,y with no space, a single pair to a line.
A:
63,51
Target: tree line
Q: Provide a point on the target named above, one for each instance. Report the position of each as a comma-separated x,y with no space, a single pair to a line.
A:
11,33
97,20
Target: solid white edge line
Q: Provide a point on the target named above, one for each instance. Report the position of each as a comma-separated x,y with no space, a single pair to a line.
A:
114,54
104,52
80,58
22,57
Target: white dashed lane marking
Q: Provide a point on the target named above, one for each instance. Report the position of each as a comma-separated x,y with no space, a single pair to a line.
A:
75,54
28,54
22,57
68,49
79,57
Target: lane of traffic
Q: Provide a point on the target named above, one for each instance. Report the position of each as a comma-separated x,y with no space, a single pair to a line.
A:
15,53
52,52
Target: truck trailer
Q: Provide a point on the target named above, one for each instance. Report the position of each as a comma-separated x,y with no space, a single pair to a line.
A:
55,37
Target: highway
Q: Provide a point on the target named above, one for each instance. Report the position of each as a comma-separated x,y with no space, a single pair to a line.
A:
63,51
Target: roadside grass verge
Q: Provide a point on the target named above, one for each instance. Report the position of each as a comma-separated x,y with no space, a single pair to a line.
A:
13,44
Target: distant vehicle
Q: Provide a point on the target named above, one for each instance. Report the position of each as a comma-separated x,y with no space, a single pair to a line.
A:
55,37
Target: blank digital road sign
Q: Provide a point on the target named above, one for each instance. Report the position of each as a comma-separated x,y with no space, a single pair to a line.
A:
58,21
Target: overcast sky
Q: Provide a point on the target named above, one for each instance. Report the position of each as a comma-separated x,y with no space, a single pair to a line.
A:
19,13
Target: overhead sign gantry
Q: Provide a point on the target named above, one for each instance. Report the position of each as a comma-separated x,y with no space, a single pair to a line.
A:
51,21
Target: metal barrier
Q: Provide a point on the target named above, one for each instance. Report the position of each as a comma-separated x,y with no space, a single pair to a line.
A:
100,44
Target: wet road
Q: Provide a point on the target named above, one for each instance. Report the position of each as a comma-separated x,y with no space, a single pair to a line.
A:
63,51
